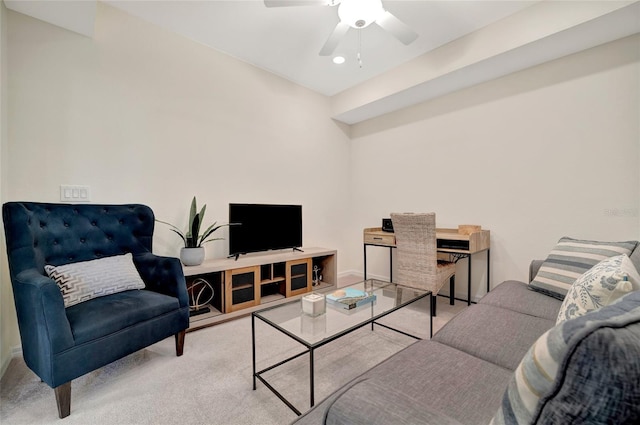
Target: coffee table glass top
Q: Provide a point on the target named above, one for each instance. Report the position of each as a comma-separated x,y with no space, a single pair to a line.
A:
312,331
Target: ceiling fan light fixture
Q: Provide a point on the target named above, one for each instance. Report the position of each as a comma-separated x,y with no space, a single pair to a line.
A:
360,13
338,60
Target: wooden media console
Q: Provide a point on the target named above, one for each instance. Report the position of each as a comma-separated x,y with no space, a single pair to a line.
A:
241,286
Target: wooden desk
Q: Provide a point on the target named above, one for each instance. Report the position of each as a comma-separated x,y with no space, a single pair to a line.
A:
448,241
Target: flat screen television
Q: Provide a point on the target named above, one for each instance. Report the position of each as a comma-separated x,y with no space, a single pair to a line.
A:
263,227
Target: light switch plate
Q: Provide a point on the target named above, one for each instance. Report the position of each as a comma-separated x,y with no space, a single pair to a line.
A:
75,193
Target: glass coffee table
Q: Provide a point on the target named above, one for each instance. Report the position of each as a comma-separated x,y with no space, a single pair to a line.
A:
314,332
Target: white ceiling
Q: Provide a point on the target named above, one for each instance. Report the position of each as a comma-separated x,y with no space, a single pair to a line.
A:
286,40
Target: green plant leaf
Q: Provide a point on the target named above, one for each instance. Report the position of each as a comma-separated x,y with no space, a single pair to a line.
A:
184,239
192,237
192,215
195,230
209,231
204,208
173,228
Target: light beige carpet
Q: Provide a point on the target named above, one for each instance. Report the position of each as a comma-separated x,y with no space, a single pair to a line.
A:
212,382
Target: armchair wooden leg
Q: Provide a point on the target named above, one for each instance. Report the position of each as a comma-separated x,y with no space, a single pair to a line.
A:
433,305
180,342
63,399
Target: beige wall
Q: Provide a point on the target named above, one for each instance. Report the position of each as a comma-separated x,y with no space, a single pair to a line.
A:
533,156
142,115
8,328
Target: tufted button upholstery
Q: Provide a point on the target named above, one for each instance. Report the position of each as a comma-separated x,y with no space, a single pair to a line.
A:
63,233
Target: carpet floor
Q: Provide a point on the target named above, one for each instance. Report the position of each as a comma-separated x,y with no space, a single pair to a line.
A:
212,382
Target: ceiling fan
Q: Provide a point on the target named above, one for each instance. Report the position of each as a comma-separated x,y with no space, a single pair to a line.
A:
356,14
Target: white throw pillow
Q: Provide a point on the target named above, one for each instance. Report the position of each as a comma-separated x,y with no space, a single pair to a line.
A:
85,280
600,286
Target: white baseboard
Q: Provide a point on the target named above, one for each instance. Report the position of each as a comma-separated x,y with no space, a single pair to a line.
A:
15,352
347,273
5,365
360,274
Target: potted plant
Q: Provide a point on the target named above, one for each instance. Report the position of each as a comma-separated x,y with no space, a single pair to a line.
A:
193,252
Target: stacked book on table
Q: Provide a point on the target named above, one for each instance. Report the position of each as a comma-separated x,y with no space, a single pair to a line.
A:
349,298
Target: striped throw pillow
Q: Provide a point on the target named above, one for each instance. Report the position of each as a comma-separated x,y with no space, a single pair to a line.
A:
579,371
570,259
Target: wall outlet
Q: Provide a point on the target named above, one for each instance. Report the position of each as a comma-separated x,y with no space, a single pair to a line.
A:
75,193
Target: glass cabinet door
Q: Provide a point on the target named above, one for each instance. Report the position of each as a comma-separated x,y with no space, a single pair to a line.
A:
298,277
241,288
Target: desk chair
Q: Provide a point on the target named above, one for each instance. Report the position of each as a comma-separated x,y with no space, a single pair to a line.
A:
418,264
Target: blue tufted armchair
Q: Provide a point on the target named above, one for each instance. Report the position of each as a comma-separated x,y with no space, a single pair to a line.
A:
60,344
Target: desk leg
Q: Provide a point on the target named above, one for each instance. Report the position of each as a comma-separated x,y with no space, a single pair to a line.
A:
488,269
365,262
452,290
430,315
469,281
390,264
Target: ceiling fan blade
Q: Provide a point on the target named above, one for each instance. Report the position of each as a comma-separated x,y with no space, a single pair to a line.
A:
397,28
287,3
332,42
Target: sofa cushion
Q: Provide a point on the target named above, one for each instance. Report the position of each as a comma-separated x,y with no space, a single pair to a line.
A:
370,402
103,316
444,380
85,280
601,285
517,296
570,259
493,334
437,379
584,370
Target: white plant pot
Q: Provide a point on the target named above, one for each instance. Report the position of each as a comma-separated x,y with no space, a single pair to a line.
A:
192,256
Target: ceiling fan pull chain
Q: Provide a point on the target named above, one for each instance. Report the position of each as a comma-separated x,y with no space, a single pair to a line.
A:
359,47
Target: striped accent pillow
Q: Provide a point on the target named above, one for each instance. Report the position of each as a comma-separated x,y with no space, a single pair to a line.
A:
570,259
86,280
554,382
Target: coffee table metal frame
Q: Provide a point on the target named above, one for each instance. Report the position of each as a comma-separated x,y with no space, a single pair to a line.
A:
311,347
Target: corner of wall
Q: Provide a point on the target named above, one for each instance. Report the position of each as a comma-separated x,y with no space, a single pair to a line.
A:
346,128
7,317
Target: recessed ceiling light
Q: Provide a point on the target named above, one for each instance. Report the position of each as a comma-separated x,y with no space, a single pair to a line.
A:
338,60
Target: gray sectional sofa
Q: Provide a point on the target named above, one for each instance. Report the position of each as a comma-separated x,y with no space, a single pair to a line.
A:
461,376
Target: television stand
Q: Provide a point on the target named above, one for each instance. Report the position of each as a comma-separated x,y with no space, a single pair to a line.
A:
297,249
249,282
